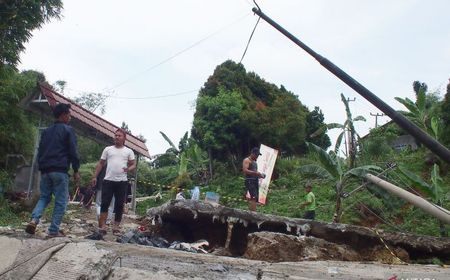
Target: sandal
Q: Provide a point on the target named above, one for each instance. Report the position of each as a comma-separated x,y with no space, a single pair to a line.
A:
31,227
60,233
102,231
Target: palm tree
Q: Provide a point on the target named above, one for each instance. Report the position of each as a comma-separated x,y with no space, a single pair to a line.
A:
329,166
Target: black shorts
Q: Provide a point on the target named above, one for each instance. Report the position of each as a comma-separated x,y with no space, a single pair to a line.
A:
310,214
119,191
251,185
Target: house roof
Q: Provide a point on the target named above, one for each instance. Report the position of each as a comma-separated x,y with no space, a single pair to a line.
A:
83,121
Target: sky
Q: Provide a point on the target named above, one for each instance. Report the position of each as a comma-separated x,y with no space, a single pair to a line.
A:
152,57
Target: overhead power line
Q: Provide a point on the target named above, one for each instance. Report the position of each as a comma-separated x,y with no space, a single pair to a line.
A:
249,39
154,97
178,53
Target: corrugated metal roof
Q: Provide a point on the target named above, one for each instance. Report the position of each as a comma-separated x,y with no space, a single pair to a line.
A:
83,119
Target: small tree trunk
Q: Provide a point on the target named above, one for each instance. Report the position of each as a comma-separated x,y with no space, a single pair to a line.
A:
338,210
442,230
232,158
210,163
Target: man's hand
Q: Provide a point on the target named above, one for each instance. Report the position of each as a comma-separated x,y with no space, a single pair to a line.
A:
76,177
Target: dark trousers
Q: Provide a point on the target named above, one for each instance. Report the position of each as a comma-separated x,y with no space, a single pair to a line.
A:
310,214
119,191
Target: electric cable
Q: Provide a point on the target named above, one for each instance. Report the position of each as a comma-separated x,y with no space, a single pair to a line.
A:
178,53
249,39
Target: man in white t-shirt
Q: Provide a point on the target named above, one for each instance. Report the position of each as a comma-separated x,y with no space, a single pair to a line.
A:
119,160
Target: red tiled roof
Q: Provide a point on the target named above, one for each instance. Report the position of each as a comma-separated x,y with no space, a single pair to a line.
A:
91,120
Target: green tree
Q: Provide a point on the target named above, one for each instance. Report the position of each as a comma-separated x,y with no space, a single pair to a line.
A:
91,101
331,167
17,21
125,127
314,121
255,112
216,123
17,127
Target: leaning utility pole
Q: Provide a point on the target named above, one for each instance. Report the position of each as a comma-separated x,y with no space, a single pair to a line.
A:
398,118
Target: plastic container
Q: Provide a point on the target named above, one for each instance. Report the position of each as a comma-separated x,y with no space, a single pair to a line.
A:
195,193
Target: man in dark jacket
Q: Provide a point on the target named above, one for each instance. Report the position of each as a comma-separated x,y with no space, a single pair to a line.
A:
57,151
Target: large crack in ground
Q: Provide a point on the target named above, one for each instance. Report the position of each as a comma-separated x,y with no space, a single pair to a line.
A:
223,227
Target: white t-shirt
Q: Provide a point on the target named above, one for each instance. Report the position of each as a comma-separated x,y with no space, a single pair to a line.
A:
116,160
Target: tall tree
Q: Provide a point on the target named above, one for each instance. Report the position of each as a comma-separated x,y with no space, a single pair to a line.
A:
314,121
262,113
17,128
217,121
18,19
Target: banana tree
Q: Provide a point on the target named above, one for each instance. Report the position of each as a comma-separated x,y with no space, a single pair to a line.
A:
422,112
433,190
348,131
191,158
330,167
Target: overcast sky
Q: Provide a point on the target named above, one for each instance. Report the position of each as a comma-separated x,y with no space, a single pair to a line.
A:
154,56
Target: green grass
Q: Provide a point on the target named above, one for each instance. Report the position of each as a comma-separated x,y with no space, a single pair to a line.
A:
11,215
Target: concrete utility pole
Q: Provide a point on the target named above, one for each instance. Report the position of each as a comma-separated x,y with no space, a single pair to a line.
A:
432,209
376,118
428,141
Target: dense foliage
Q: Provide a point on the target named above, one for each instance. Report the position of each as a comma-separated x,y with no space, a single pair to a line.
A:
237,110
17,20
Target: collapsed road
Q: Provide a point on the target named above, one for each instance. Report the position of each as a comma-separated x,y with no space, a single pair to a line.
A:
261,246
233,229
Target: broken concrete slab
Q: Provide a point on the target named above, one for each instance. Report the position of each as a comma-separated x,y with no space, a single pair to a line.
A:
10,248
78,260
142,261
190,220
56,258
32,256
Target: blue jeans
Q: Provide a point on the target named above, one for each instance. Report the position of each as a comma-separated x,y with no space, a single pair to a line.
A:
57,184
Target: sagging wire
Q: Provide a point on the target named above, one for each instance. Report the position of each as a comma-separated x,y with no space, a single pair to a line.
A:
251,35
249,39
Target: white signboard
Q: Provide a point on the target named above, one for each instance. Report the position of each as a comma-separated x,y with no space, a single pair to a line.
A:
266,163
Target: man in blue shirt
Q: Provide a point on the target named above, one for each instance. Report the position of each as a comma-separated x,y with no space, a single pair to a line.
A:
57,151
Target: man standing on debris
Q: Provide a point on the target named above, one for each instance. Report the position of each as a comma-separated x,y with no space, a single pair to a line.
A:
119,160
310,203
57,151
250,170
